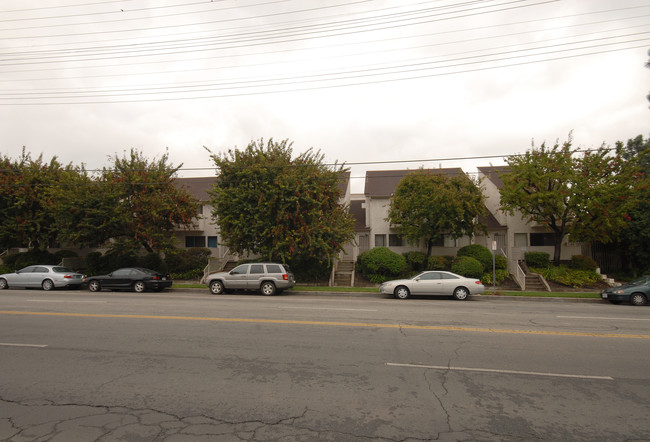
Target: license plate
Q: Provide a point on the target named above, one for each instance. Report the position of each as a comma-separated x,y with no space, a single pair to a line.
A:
603,295
164,278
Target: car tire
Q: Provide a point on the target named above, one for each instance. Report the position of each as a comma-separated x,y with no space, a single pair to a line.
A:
94,286
461,294
3,284
638,299
216,288
267,288
139,286
402,292
47,285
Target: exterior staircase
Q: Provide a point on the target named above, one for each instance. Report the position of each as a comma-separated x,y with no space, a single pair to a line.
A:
344,275
536,283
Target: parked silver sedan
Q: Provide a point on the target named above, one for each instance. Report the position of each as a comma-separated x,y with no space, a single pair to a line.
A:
433,282
46,277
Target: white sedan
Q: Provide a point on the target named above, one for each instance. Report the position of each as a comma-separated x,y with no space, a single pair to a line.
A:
46,277
434,282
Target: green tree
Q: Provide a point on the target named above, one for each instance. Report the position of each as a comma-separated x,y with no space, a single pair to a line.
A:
635,238
426,205
584,196
27,195
284,209
149,206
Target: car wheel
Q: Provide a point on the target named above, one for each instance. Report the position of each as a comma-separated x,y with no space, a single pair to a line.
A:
47,285
267,288
460,294
216,287
402,292
138,287
638,299
94,286
3,284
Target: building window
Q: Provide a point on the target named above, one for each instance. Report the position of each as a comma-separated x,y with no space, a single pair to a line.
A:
212,242
521,240
542,239
194,241
395,240
380,240
450,241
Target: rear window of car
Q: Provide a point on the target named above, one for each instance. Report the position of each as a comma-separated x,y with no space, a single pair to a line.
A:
61,270
273,268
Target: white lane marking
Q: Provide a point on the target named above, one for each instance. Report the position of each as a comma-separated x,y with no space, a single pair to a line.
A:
63,300
6,344
328,308
605,318
491,370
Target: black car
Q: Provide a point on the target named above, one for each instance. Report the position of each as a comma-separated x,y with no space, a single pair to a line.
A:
137,279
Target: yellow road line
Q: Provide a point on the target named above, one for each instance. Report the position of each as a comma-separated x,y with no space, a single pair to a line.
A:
332,323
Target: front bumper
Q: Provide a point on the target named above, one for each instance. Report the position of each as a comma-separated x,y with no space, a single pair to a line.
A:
616,297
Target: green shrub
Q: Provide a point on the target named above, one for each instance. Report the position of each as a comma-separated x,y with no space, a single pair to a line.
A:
581,262
416,261
468,266
94,263
380,264
442,262
481,253
537,259
65,254
567,276
501,275
501,262
34,257
152,261
182,260
4,269
311,270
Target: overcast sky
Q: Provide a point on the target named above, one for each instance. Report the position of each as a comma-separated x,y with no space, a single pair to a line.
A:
377,84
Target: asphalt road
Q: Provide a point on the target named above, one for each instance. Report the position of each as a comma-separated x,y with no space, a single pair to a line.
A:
188,366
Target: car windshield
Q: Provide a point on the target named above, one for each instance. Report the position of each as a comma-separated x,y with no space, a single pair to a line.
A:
644,280
61,270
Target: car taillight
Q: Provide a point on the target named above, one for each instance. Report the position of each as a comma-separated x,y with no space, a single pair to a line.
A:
285,277
155,277
478,282
67,276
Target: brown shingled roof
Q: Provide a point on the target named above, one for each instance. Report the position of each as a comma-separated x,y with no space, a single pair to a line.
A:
493,173
382,183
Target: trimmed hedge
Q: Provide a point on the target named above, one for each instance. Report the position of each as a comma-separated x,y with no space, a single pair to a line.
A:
380,264
581,262
481,253
537,259
442,262
416,261
468,266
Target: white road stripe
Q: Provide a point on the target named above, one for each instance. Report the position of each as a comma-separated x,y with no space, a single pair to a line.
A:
605,318
6,344
65,301
328,308
491,370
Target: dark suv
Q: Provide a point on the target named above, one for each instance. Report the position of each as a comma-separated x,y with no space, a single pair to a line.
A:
266,277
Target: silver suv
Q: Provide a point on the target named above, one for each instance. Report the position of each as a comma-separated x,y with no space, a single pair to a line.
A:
266,277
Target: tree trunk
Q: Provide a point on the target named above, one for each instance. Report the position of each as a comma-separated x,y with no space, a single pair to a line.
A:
557,252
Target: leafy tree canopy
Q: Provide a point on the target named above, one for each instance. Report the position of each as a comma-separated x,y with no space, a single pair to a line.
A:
586,196
150,205
282,208
635,238
28,193
426,205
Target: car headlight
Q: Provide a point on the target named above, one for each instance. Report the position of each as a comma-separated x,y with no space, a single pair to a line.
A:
619,292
